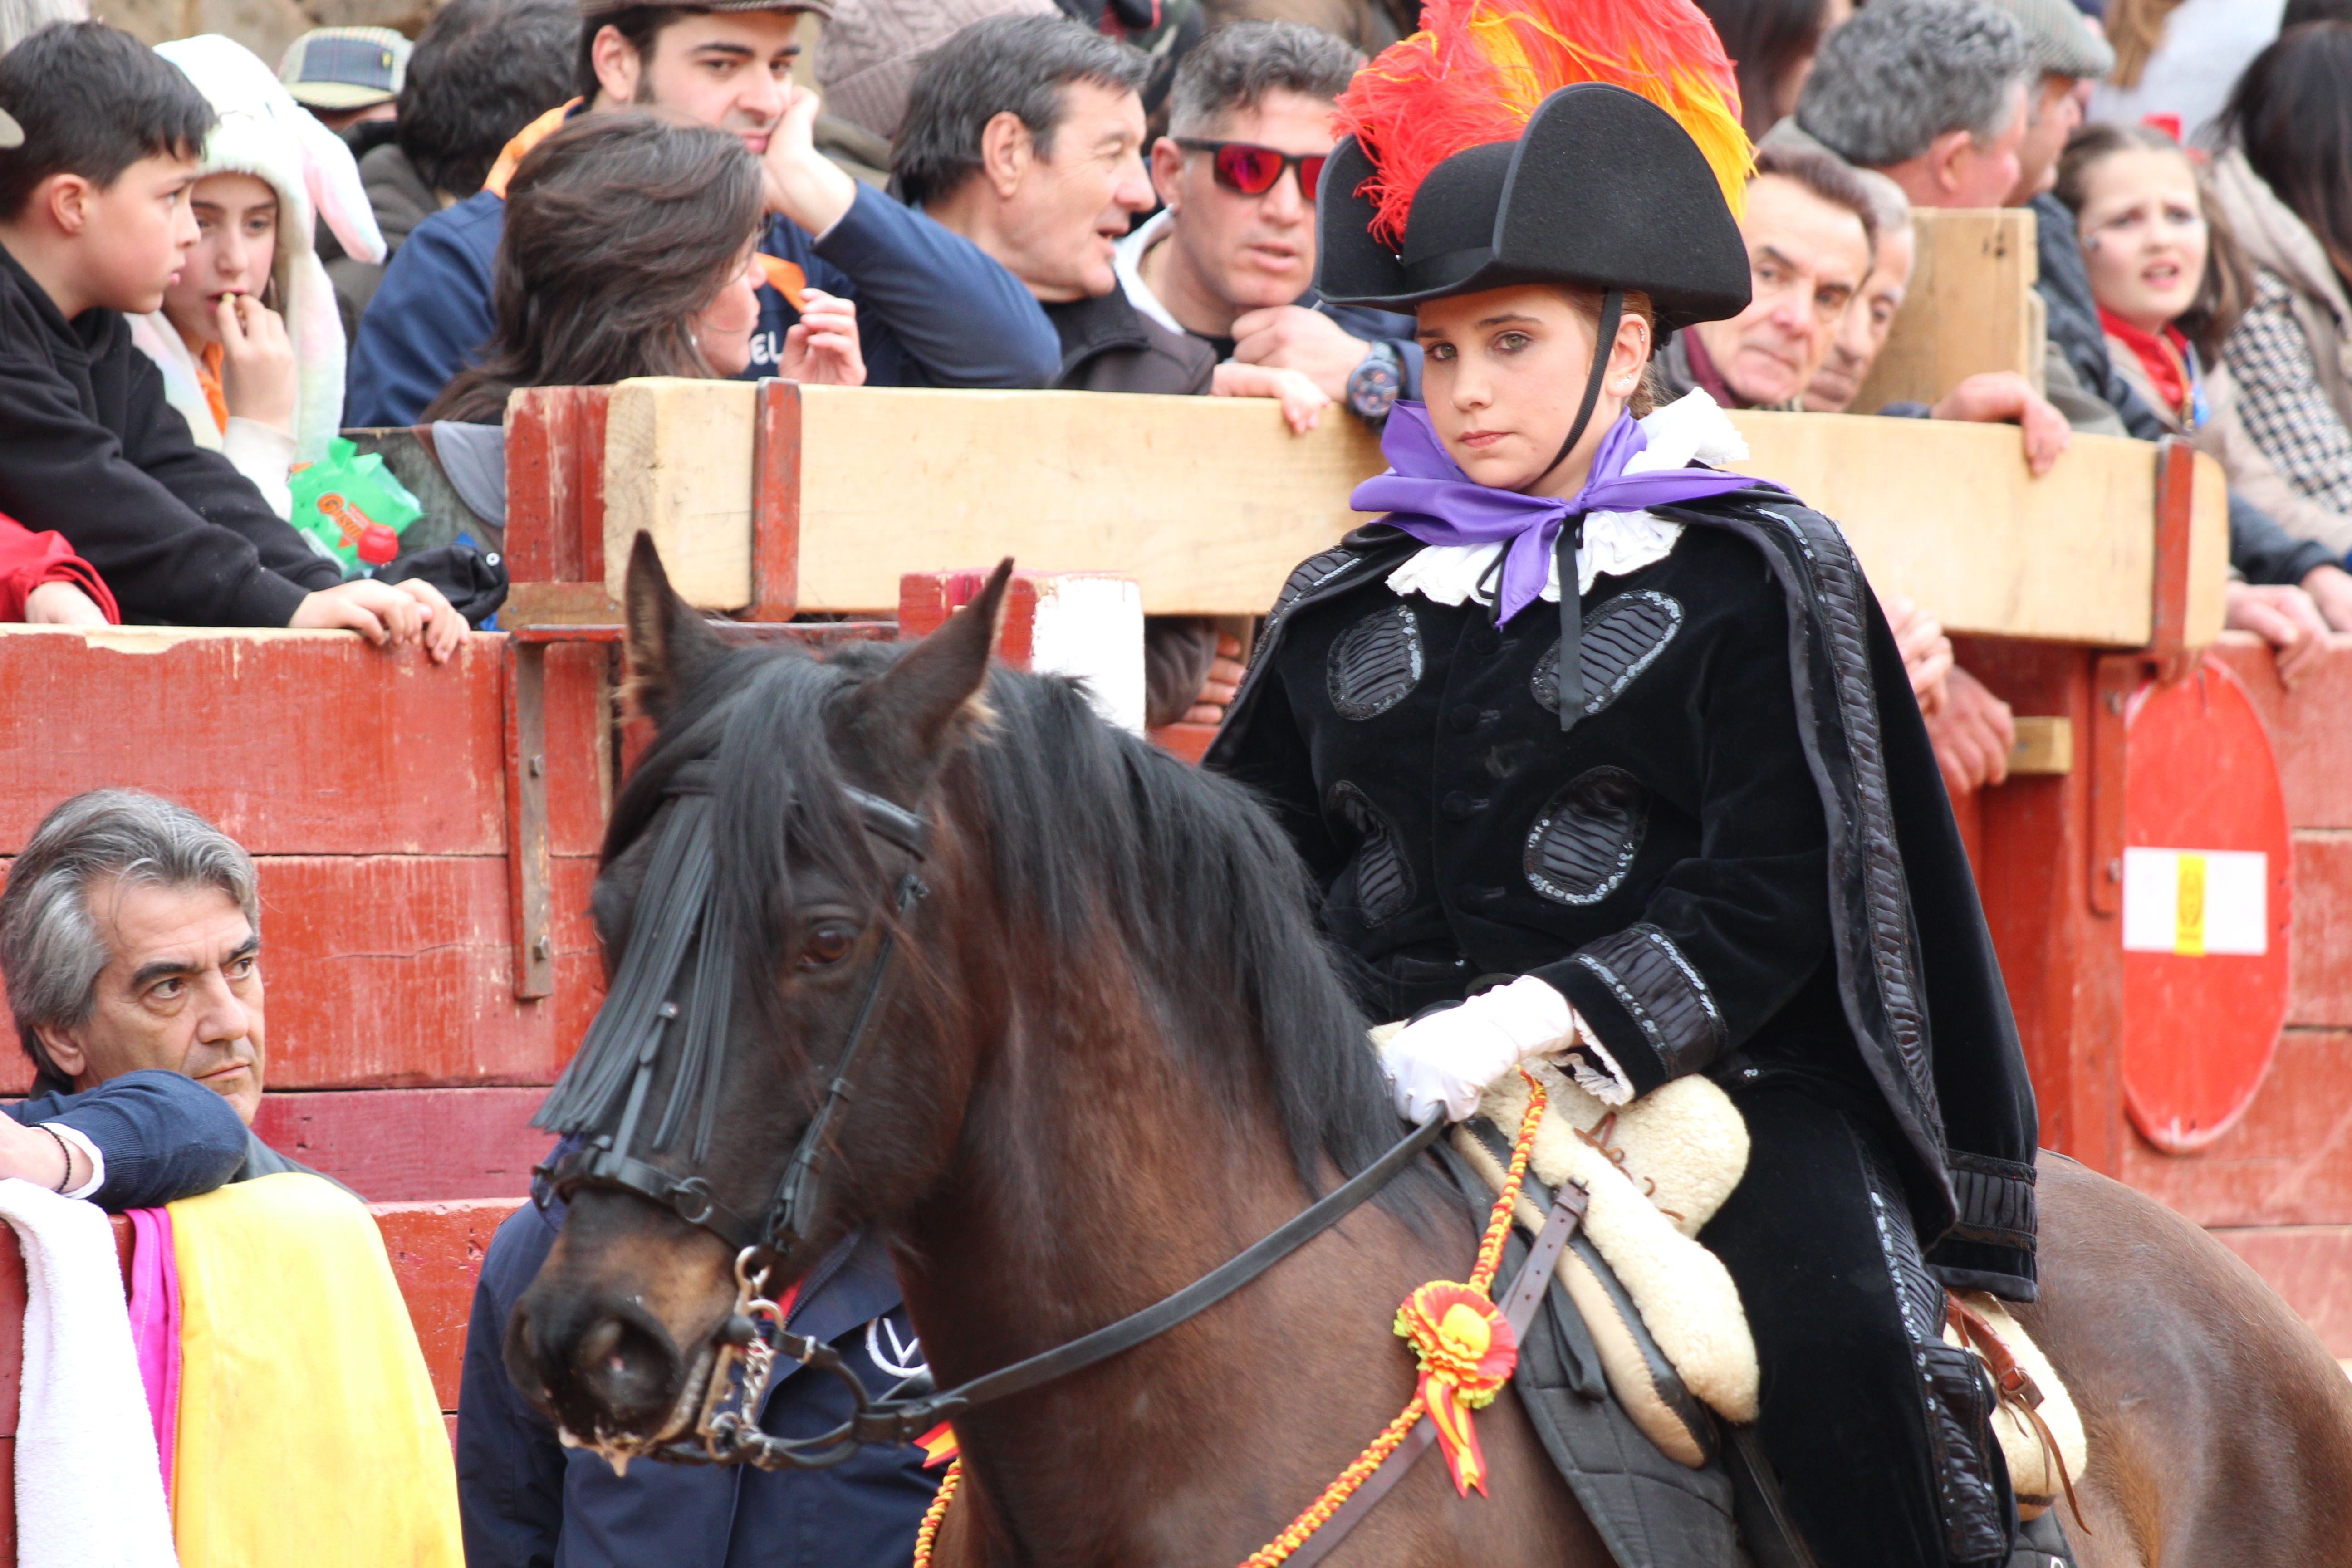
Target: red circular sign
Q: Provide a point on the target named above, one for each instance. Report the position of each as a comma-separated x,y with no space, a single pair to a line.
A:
2207,861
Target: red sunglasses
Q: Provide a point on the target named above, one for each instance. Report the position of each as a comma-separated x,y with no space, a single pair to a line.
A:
1252,169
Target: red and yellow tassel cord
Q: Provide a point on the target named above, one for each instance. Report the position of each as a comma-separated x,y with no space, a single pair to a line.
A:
1467,1363
1482,1276
927,1532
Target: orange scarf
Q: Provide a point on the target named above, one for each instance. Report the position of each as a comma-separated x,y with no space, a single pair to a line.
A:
208,376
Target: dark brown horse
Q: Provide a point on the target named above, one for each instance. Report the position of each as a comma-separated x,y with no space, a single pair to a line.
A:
1111,1052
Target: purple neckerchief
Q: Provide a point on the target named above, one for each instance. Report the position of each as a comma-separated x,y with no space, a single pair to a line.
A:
1426,494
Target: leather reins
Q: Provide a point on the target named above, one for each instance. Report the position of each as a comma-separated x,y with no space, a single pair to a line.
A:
609,1161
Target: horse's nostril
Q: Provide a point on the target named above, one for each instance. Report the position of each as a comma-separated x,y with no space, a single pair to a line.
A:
598,1347
627,1370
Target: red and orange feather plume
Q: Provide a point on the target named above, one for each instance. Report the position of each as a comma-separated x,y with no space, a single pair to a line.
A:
1477,70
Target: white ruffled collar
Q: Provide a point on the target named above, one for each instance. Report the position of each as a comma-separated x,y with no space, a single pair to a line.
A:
1692,428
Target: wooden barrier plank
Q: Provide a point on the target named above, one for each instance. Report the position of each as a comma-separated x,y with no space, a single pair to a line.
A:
396,970
895,480
2287,1161
555,504
2310,727
327,746
898,480
1970,307
410,1146
2032,852
677,465
292,743
2311,1265
2320,971
437,1250
400,973
2069,557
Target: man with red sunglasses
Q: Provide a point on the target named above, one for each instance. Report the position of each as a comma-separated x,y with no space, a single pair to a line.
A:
1230,259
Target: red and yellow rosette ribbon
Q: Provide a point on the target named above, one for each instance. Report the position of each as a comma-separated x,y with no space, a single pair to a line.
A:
1466,1351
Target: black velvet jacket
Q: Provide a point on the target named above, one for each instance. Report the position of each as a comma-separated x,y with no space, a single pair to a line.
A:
1734,860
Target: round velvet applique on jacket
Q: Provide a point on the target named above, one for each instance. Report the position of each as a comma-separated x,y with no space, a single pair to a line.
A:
1581,847
1375,663
1383,881
1623,637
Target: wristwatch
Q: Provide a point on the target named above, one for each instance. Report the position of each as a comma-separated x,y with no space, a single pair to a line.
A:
1374,384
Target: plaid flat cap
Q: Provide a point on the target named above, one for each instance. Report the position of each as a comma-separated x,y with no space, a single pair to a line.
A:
2060,41
345,67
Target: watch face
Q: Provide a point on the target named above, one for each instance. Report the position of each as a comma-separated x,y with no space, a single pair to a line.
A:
1372,388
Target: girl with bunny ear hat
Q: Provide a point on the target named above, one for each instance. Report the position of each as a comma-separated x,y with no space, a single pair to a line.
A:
249,340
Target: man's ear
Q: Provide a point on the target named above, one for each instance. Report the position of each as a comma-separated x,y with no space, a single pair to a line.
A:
67,1058
1943,155
1006,150
618,66
910,713
1168,171
669,647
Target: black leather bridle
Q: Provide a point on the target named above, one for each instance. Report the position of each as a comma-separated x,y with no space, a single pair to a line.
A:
642,1010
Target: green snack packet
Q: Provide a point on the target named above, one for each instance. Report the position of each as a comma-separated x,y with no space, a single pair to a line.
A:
351,508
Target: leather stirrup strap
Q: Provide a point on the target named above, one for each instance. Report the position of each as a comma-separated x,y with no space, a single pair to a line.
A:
2015,1386
1568,678
1518,1307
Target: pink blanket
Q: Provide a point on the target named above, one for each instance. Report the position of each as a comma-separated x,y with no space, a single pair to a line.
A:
155,1326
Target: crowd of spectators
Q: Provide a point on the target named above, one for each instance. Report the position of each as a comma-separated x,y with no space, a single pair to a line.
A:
210,267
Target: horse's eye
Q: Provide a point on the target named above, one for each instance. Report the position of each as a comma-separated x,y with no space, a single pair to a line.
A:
827,944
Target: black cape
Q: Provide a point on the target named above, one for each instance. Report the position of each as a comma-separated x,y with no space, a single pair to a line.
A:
1915,977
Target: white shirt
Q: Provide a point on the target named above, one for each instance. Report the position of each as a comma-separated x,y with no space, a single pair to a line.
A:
1615,542
1127,261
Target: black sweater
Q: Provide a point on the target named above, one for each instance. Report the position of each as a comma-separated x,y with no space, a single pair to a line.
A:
89,447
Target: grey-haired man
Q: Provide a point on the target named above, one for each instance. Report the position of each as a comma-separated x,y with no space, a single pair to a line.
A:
1930,93
129,938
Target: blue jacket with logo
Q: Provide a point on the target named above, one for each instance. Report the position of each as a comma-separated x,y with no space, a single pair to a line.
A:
526,1503
933,309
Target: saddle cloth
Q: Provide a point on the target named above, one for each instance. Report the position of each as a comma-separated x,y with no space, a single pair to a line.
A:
1663,1312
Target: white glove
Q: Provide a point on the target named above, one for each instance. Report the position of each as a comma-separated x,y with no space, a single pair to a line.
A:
1445,1061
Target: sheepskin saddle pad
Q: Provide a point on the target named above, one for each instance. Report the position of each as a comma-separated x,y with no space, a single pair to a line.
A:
1662,1313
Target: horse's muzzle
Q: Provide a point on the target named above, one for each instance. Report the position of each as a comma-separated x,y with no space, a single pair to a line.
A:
602,1368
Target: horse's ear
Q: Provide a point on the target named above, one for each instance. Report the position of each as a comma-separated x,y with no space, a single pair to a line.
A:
670,649
911,707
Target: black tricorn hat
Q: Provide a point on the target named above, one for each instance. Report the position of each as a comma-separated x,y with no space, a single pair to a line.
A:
1603,189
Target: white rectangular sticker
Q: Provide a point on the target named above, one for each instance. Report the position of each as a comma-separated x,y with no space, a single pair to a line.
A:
2196,902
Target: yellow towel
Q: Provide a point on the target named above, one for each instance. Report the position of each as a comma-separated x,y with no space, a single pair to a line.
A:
308,1436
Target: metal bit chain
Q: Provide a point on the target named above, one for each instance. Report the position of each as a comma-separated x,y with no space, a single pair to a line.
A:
730,1410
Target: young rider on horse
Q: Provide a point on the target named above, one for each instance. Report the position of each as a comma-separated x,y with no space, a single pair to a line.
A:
1600,755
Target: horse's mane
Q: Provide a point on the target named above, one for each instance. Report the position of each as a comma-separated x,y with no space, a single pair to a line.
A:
1094,835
